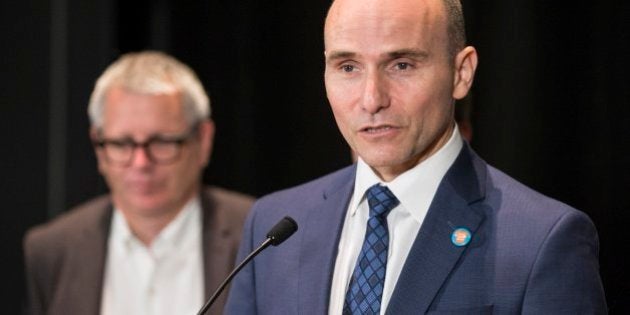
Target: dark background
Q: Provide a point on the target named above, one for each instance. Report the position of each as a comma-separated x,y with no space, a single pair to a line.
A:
550,103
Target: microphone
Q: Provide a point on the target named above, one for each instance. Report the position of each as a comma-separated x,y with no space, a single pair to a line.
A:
278,234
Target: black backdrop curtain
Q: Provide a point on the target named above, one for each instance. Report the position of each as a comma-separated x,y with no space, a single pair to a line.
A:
549,104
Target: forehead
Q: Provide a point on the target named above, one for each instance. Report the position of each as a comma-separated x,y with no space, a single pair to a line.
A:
127,111
378,23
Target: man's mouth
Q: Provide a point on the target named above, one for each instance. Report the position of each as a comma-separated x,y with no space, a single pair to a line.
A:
377,129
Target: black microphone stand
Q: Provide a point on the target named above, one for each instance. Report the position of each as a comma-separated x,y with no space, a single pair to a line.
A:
278,234
220,289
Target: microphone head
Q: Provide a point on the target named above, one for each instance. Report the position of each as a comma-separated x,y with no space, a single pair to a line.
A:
282,230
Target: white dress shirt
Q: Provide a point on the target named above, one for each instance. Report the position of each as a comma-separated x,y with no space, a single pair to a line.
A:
163,279
415,190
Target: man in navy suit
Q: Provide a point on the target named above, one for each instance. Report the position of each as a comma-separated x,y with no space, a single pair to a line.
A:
460,236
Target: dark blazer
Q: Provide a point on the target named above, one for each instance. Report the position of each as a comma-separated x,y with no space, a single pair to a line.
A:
529,254
65,258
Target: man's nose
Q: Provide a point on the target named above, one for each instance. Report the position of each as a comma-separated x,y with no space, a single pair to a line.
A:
375,92
140,157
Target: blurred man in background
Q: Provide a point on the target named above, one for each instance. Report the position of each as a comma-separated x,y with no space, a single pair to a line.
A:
159,243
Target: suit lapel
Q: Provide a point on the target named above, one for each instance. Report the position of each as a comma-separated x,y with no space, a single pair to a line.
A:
318,250
433,255
214,250
218,250
89,264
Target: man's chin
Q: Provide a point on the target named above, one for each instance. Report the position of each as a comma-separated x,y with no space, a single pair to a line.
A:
390,164
382,159
147,206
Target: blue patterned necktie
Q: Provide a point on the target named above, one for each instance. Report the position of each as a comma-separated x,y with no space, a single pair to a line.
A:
366,285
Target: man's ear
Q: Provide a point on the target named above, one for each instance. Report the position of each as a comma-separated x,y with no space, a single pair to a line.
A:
465,66
94,134
206,140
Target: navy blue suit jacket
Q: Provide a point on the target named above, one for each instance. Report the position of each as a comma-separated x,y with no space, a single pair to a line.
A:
529,254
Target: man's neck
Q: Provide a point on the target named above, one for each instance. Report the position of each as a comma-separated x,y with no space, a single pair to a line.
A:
147,226
146,229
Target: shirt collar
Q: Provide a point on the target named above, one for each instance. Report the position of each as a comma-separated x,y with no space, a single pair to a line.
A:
415,187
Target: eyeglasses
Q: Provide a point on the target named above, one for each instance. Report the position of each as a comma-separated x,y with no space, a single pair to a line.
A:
159,149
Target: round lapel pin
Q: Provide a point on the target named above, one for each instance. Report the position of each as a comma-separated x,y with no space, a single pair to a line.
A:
461,237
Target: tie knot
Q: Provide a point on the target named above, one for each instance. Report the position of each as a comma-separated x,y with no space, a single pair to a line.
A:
381,200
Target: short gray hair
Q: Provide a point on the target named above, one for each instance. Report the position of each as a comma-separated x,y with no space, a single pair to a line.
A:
456,26
151,72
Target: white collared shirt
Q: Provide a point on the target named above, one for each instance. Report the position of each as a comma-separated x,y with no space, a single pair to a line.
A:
162,279
415,190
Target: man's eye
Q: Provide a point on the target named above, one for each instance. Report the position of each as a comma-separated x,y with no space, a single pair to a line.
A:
347,68
160,141
402,66
120,144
